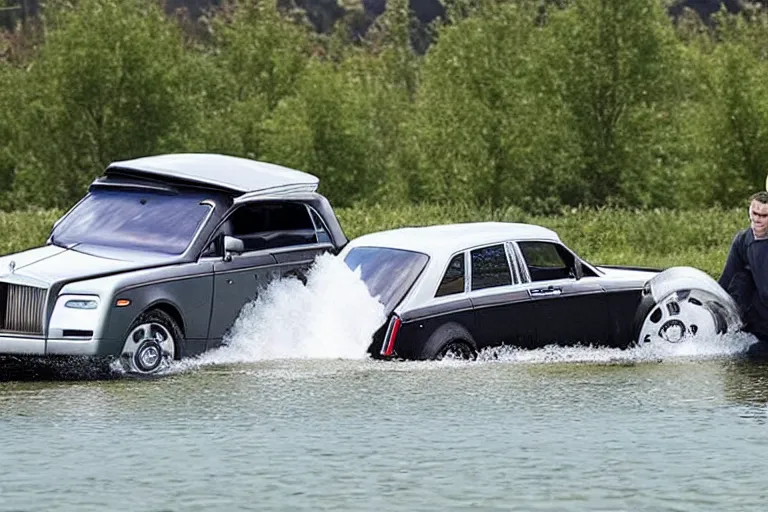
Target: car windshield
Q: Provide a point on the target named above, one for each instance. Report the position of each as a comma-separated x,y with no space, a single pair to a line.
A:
142,220
388,273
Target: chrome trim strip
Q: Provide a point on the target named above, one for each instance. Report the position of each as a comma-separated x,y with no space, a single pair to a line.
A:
201,227
303,247
276,192
468,270
164,280
22,345
72,347
512,262
411,319
523,264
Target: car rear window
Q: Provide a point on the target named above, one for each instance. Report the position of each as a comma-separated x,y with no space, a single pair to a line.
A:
388,273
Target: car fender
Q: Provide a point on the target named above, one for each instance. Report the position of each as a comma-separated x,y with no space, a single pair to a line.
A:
682,279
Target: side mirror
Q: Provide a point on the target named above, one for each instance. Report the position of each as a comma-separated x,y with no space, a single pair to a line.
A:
232,246
578,269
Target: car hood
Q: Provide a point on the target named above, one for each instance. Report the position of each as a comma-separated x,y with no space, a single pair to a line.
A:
628,273
46,265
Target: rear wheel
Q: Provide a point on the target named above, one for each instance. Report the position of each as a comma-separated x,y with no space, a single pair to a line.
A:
450,339
151,344
457,349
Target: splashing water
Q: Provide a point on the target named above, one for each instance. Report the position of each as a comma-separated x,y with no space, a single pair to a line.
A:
332,316
727,345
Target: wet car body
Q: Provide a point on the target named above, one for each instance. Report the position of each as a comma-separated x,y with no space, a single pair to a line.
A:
462,288
160,256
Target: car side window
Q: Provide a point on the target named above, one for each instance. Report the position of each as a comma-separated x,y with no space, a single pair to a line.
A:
547,260
453,279
490,267
267,226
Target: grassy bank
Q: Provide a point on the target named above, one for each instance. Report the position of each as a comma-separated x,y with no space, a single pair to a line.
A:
647,238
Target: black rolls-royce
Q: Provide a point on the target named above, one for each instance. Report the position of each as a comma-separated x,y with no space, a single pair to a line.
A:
461,288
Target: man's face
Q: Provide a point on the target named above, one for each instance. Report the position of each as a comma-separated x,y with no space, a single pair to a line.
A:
758,216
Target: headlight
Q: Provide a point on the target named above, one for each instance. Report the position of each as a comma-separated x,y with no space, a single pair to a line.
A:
81,304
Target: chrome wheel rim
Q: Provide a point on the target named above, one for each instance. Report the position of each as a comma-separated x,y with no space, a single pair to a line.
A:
683,315
149,348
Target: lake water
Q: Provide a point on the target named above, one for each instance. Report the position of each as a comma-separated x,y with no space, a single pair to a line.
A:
259,428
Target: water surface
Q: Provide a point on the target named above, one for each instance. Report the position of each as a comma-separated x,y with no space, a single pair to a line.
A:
364,435
293,416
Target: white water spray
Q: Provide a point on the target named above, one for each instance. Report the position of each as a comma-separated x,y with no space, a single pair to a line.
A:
333,316
696,349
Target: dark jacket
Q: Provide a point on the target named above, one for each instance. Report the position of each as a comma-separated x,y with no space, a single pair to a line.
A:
745,278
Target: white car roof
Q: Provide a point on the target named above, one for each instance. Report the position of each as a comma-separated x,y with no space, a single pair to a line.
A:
447,239
229,172
440,243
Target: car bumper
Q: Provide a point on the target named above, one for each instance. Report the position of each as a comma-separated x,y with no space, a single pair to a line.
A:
40,346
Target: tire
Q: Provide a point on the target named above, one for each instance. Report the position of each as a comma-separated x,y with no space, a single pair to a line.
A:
450,338
152,343
457,349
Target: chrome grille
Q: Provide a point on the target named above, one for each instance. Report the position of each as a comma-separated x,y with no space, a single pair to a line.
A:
23,308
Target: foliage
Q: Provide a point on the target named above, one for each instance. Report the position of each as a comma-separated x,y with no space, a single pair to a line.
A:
730,117
531,104
256,58
103,87
479,130
344,122
612,69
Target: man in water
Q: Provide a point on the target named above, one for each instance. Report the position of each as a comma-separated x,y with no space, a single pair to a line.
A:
745,275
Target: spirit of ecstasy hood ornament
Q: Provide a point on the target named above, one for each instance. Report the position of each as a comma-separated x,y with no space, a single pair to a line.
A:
12,266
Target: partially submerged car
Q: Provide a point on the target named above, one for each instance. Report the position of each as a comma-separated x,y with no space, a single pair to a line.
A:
464,287
157,260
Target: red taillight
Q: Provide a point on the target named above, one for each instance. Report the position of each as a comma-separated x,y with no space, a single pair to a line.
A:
388,347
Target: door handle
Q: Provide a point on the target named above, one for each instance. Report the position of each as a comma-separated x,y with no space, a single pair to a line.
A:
549,291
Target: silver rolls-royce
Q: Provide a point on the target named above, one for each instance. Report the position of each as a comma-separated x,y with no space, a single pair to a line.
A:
159,257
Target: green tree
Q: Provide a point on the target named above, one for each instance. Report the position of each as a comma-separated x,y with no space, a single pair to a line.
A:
483,131
731,115
257,58
345,122
105,86
613,65
9,107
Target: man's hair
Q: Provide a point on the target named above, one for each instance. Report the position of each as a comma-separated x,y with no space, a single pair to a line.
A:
760,197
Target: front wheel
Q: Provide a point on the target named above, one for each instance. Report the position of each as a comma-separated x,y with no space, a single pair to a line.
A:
151,344
682,315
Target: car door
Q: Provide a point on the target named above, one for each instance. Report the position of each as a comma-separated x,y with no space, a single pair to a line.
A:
502,307
279,239
235,283
568,311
